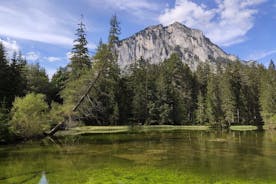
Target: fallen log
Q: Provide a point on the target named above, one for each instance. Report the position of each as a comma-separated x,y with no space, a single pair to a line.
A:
55,129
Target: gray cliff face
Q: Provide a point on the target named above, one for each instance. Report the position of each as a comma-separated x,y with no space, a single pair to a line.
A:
157,43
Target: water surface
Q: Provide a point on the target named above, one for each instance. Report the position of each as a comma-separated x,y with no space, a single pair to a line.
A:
143,157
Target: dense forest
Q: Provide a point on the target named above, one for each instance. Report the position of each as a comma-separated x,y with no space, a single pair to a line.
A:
218,93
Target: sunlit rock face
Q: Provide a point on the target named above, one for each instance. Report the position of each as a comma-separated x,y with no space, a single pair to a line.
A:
157,43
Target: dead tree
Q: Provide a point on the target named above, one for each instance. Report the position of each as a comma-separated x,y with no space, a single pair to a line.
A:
75,108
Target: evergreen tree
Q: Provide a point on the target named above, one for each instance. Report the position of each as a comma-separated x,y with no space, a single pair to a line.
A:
271,66
107,85
37,79
114,32
139,84
154,105
228,101
268,93
101,105
213,101
125,99
251,93
232,94
164,102
18,75
178,81
80,59
4,77
4,127
202,74
201,108
58,83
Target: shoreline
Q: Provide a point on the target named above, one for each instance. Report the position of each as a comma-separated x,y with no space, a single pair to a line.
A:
85,130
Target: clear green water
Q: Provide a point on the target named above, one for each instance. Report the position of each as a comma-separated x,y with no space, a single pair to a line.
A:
144,157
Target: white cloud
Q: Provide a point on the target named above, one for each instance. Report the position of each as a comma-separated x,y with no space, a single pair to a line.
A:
261,54
53,59
226,24
10,46
91,46
69,55
36,56
32,56
37,21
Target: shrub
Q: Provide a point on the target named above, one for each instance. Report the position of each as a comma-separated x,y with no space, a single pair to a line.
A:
29,115
56,114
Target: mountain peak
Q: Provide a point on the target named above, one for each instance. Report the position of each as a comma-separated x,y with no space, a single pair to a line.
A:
177,24
157,43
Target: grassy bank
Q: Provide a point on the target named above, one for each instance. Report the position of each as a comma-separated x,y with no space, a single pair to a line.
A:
119,129
243,128
94,130
172,127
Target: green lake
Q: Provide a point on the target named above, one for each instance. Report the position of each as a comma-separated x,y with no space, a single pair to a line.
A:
145,157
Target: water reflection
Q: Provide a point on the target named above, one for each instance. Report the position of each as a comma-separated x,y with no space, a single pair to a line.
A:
43,179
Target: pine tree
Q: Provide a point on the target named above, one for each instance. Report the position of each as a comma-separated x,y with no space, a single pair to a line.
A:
201,116
271,66
107,85
18,80
125,99
202,74
228,101
251,93
178,81
58,83
80,59
214,101
5,91
114,32
164,101
37,79
139,83
268,93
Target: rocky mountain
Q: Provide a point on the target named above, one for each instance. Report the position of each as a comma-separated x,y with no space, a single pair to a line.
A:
157,43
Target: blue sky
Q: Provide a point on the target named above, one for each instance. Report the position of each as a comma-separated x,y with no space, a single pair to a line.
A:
43,30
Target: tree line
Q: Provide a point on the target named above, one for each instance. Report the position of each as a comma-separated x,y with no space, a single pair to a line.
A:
219,93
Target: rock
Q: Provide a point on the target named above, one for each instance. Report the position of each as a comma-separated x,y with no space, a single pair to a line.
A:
157,43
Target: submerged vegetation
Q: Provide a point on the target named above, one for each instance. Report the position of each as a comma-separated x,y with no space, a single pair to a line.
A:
172,157
218,94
